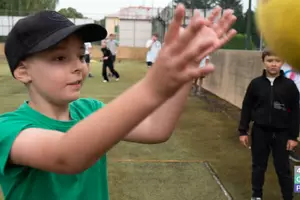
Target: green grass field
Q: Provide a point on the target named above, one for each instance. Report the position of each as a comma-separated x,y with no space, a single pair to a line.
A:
145,171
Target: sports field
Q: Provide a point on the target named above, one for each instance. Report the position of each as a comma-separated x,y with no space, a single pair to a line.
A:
203,159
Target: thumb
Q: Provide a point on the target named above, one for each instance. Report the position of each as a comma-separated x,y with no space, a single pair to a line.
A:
288,146
195,71
247,142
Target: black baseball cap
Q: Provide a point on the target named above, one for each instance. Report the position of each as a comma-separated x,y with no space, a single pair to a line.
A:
43,30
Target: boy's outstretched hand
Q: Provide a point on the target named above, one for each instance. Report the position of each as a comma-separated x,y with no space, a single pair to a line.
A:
183,49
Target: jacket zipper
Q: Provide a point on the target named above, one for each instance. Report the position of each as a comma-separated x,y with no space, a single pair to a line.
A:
271,103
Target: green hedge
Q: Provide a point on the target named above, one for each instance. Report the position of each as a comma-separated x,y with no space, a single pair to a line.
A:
238,42
3,39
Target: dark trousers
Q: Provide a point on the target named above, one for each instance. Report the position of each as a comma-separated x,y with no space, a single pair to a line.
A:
263,142
111,68
113,57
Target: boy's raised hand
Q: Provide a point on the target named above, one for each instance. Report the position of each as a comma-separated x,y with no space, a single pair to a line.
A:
183,49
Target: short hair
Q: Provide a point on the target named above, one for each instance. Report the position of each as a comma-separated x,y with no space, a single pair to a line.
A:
155,34
267,52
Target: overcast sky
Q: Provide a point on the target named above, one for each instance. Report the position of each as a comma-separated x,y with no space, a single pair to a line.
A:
99,8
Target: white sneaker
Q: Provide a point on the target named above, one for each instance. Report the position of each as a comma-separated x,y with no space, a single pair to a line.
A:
117,79
105,81
256,198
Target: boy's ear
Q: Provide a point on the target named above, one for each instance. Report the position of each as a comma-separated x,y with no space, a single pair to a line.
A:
21,73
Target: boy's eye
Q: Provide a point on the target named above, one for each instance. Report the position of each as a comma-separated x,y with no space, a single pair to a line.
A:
82,58
60,58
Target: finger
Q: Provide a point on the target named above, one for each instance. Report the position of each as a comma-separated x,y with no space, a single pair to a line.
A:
247,143
226,38
214,15
218,44
173,29
288,146
189,34
195,72
191,52
224,23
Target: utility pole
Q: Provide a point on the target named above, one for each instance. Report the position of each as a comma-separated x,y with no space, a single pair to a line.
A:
192,6
249,20
205,8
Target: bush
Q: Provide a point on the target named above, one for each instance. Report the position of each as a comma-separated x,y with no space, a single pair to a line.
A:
238,42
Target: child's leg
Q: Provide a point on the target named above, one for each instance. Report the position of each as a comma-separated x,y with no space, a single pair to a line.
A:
260,150
282,165
200,85
113,71
104,74
194,86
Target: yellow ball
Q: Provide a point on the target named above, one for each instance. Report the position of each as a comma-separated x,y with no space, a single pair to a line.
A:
278,22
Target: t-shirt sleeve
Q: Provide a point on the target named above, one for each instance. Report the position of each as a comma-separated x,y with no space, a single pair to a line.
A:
10,128
97,104
148,43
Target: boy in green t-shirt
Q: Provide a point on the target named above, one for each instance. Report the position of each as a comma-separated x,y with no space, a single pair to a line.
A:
54,145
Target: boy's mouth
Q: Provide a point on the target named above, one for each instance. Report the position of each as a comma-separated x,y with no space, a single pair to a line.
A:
75,83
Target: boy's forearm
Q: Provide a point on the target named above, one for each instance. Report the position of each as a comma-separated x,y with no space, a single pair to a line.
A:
91,138
165,118
294,126
244,120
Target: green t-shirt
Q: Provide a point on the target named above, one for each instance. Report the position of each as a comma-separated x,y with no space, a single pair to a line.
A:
24,183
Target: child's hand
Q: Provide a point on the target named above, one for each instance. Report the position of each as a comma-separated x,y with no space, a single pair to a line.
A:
291,144
183,49
244,139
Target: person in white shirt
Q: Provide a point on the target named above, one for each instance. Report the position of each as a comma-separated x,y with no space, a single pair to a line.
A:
197,84
112,44
290,73
153,46
88,47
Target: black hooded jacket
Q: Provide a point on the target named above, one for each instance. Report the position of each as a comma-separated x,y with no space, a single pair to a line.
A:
275,107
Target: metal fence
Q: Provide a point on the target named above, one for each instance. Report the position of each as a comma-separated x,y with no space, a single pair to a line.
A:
133,26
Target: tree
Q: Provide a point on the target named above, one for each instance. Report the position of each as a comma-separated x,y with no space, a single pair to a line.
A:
25,7
196,4
236,5
255,36
70,13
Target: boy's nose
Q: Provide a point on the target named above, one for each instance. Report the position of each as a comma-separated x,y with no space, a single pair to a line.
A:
78,66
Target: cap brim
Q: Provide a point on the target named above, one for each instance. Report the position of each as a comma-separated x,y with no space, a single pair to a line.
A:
87,32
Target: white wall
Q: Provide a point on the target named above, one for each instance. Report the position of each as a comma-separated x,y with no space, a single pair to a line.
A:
134,33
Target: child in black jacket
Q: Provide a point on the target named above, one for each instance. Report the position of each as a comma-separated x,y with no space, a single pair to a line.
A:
107,62
272,103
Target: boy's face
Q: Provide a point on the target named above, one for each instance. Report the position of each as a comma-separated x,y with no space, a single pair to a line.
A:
154,38
103,44
273,65
57,74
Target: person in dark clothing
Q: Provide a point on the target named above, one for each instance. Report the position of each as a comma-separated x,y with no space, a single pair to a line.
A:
108,62
272,103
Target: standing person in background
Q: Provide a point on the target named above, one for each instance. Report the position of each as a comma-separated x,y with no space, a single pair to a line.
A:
197,84
112,44
107,62
271,102
153,45
290,73
88,50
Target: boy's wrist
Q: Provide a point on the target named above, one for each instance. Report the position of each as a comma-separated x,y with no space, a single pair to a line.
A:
149,91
